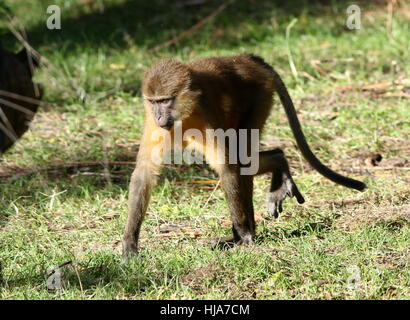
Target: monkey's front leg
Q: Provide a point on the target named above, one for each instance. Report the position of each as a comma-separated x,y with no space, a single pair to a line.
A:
142,181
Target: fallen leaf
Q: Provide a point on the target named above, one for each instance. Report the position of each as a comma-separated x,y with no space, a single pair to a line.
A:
117,66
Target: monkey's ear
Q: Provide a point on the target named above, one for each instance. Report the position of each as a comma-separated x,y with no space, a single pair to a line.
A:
23,56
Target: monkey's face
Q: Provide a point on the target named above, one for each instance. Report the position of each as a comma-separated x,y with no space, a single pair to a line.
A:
163,111
166,87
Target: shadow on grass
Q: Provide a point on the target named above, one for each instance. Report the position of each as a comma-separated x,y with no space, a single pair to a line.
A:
147,23
88,177
102,270
305,228
116,172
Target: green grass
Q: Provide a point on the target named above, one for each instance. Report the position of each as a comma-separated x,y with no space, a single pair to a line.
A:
55,215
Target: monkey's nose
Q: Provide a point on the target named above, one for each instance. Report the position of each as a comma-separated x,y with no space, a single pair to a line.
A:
165,123
162,121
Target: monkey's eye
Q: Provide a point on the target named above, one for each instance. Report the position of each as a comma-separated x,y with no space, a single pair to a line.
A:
162,102
165,101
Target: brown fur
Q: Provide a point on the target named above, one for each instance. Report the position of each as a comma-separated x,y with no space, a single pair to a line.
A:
224,92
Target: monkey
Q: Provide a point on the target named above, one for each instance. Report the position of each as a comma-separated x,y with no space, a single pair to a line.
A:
19,95
233,92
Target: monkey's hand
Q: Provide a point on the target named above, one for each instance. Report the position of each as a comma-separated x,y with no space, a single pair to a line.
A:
285,187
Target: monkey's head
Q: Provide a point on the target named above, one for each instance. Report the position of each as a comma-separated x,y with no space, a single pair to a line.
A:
167,90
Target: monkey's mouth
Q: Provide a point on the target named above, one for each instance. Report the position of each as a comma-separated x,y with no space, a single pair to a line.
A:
167,126
165,122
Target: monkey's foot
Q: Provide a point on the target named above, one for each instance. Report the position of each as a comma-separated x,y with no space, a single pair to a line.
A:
226,243
288,188
129,250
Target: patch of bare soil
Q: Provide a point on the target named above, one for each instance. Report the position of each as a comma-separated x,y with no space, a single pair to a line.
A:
394,259
366,159
197,277
394,216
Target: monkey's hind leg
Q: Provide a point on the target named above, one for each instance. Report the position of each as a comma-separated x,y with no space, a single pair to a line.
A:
282,184
238,191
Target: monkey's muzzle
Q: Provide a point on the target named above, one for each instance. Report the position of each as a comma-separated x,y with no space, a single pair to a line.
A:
163,118
167,126
162,114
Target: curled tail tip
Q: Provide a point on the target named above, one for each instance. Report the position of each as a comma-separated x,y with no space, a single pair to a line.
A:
359,186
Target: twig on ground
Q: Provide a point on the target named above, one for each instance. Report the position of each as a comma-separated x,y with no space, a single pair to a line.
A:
376,86
41,59
20,97
211,195
196,182
17,107
187,3
356,169
20,172
390,10
290,58
193,29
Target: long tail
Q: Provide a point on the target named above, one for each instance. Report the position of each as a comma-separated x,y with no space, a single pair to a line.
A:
301,140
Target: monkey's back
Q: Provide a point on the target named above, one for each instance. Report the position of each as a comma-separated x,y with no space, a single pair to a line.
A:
236,92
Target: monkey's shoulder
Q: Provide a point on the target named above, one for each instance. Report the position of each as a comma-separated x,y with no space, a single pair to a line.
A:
243,68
